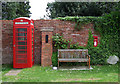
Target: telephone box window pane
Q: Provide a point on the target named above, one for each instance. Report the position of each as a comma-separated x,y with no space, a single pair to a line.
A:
22,29
32,57
22,38
22,43
46,38
22,51
22,47
22,34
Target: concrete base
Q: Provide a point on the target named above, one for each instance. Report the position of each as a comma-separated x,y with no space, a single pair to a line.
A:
74,68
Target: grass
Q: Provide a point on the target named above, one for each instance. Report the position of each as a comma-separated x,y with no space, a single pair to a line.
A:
105,73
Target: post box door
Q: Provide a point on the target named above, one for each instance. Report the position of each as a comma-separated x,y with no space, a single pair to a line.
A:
21,45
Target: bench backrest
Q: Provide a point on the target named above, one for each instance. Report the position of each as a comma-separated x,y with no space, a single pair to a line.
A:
72,53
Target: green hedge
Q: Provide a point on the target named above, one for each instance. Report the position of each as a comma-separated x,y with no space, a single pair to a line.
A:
98,55
55,58
108,28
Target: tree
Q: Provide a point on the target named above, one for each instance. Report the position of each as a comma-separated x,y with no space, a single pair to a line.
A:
58,9
12,10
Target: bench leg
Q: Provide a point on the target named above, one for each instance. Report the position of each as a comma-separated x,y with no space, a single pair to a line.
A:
89,63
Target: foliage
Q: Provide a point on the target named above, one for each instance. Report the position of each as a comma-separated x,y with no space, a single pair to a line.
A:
55,59
59,42
77,26
90,39
12,10
109,31
76,46
108,27
6,68
97,54
58,9
81,20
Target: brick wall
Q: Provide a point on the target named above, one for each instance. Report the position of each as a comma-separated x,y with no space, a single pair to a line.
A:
7,39
65,28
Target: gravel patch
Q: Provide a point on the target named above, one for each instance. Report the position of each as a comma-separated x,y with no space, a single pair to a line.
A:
13,72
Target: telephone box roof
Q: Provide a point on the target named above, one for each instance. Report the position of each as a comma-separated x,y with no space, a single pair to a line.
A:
24,18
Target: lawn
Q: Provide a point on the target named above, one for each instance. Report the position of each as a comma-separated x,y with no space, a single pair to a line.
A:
105,73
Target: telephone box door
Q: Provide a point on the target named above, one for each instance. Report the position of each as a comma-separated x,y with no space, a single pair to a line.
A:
20,47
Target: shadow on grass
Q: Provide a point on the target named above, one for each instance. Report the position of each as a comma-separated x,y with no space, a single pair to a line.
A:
6,68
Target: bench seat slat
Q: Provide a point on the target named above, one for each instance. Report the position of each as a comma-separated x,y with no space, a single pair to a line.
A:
73,60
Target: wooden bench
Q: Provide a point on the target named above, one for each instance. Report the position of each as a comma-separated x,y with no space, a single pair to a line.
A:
73,55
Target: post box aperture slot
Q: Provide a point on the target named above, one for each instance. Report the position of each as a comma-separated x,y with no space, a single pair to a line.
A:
46,38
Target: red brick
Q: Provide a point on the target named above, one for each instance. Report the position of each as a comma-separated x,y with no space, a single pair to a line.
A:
66,27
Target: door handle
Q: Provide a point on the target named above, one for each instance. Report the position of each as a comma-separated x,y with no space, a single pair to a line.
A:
13,45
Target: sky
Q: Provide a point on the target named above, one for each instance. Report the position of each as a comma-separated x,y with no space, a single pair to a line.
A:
38,8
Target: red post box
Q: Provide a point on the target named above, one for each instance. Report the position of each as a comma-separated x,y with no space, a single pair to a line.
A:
23,42
95,41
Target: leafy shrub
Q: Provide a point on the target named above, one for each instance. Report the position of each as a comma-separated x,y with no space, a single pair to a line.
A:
54,59
99,54
90,39
59,42
76,46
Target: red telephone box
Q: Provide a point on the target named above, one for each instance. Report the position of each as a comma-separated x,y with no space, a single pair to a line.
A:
95,41
23,42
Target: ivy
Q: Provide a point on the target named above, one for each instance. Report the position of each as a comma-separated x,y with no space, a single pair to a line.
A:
108,28
80,20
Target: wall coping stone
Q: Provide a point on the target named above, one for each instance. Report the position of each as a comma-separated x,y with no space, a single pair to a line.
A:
46,29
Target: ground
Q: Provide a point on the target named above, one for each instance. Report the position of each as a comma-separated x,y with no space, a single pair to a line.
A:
99,73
